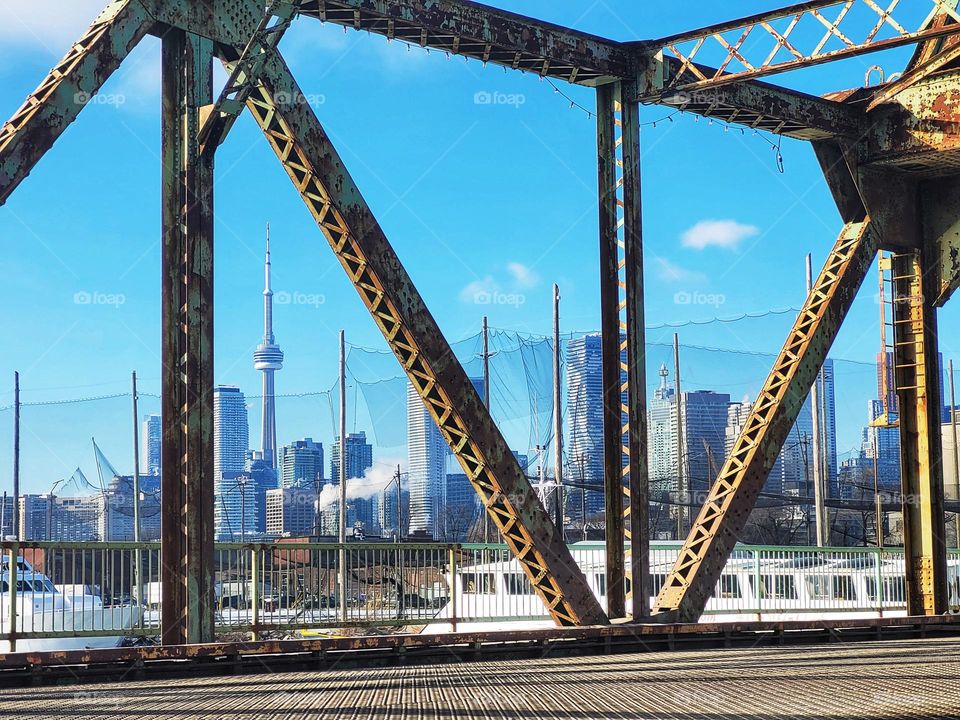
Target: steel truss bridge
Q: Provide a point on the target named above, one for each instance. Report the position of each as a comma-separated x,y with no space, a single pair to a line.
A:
890,154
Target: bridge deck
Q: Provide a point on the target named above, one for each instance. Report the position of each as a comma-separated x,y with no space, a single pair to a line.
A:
907,678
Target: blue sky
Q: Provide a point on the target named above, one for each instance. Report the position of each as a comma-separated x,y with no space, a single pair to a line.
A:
475,198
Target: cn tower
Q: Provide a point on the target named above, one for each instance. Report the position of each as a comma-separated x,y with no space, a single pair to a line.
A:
268,358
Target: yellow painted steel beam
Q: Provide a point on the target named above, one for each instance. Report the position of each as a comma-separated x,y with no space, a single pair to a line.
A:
318,173
917,380
734,493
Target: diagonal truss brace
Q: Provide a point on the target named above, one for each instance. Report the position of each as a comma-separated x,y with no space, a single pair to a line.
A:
273,25
35,127
733,494
308,156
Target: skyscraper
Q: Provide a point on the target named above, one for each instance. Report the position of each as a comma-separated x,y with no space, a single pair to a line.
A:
662,437
268,358
301,464
359,459
150,445
706,419
231,433
231,439
828,413
427,451
704,415
359,456
585,419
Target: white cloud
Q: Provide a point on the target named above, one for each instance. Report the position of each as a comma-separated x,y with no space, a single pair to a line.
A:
524,276
718,233
51,25
671,272
484,287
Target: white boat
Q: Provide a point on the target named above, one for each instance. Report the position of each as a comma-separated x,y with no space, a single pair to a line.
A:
806,584
42,608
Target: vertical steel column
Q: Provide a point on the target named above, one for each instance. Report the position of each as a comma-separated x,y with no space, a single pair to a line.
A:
608,99
623,343
917,372
636,476
187,292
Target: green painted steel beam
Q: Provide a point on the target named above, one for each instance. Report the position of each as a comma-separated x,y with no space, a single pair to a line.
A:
71,84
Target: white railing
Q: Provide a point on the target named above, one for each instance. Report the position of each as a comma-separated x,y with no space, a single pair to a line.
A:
52,590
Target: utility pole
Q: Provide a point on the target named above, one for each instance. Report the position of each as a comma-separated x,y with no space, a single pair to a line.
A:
684,508
399,508
16,455
136,493
557,419
486,404
136,465
819,513
343,477
956,451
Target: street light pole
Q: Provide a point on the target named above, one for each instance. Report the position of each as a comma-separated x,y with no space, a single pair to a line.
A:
343,478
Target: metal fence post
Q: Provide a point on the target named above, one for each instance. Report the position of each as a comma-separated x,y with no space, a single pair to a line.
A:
12,594
453,587
878,578
757,589
255,591
343,580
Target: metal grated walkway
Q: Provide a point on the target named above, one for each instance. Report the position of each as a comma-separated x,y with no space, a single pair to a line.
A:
904,679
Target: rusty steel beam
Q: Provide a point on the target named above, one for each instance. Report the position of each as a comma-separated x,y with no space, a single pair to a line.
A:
610,187
230,22
634,358
940,213
755,105
724,514
623,353
474,30
917,379
233,98
187,612
478,31
318,173
464,646
914,75
73,82
764,44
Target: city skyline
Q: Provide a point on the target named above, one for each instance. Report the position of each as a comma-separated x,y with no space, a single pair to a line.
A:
65,342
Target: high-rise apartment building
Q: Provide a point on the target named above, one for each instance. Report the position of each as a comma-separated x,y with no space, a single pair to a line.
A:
231,431
150,443
301,464
426,480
